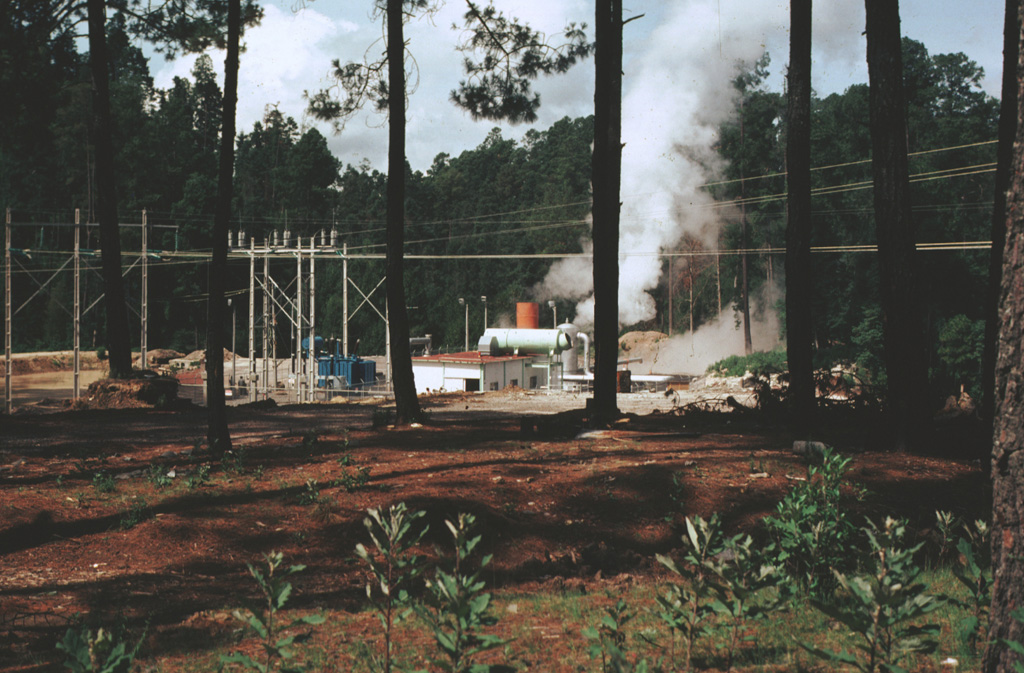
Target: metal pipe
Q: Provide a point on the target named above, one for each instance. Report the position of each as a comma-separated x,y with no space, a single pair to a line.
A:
586,351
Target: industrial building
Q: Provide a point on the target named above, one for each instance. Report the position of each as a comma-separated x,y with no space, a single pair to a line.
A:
524,356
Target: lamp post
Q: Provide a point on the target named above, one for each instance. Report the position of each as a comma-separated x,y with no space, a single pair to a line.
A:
554,311
463,302
483,298
234,357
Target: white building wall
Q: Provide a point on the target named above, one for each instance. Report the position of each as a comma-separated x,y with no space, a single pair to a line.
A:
448,376
451,376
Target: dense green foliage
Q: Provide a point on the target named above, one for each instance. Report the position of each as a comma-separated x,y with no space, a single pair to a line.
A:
505,197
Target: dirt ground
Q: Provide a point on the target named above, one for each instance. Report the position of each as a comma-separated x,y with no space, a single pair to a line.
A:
559,506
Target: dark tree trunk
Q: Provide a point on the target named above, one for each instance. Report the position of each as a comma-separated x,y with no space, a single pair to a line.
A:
1007,131
905,361
798,229
748,342
606,169
217,433
407,405
118,342
1008,431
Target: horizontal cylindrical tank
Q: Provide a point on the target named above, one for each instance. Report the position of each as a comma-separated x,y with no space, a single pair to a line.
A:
318,345
527,315
523,341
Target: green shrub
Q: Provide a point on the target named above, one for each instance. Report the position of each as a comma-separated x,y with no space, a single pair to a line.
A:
761,363
812,532
135,514
104,482
977,579
309,495
394,568
457,608
608,641
353,481
685,607
959,350
883,607
748,589
276,650
157,475
100,653
198,478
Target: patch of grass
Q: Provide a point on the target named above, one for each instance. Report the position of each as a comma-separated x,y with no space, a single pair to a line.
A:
200,477
134,514
353,481
157,475
104,482
310,494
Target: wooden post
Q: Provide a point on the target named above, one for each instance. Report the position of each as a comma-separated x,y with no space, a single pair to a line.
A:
78,308
144,337
8,402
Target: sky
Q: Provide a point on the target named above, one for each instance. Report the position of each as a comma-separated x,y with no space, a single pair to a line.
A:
292,50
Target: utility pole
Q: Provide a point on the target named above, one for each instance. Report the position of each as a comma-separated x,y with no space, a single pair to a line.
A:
265,380
252,320
344,299
77,330
144,337
671,285
8,402
298,322
311,381
387,343
463,302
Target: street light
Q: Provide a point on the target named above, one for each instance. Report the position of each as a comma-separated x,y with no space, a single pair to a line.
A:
554,310
462,302
234,358
483,298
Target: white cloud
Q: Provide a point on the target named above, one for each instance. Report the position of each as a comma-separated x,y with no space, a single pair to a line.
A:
284,55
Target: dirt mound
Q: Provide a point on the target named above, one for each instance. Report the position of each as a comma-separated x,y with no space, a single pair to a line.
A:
200,356
128,393
643,345
160,356
56,361
640,342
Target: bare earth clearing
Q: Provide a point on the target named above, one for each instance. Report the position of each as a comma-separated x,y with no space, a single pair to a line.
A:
559,512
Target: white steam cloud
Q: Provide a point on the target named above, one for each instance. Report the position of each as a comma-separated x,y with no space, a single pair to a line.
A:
679,90
692,353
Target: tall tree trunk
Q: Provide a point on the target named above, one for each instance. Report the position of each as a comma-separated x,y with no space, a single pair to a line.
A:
1008,431
118,341
748,342
798,229
905,362
1007,130
407,405
606,169
217,434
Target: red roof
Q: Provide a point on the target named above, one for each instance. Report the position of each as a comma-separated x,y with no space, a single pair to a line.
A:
470,357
